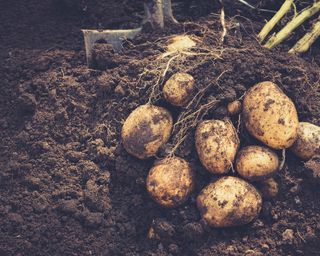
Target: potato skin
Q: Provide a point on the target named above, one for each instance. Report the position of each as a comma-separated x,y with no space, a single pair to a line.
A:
178,89
170,182
217,143
270,116
268,188
230,201
145,130
256,163
307,144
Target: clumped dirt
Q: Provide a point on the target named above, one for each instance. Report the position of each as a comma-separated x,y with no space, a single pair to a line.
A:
68,187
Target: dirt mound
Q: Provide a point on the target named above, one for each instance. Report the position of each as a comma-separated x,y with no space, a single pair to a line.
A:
67,186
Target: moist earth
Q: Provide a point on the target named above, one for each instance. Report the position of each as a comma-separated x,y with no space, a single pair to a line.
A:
68,187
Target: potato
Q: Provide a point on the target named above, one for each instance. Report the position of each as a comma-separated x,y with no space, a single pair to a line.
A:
216,143
234,107
170,182
256,163
268,188
307,144
229,201
270,116
145,130
178,89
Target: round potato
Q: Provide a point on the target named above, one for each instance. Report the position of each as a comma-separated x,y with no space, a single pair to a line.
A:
178,89
307,144
229,201
270,116
216,143
170,182
234,107
268,188
256,163
145,130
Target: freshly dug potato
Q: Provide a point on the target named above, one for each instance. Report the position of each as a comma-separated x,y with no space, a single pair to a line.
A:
217,143
307,144
268,188
178,89
234,107
229,201
145,130
256,163
270,116
170,182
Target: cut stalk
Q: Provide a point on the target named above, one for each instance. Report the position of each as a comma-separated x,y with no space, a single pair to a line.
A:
305,42
274,20
292,25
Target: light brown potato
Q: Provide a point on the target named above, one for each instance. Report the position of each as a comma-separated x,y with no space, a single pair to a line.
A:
145,130
270,116
178,89
217,143
256,163
229,201
234,107
170,182
268,188
307,144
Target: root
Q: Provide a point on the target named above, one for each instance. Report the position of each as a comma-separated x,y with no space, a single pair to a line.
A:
190,118
283,160
223,22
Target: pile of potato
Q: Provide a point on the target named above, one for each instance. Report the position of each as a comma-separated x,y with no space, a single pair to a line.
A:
268,115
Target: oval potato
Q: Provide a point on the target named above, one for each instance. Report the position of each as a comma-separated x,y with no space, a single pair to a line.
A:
270,116
234,107
256,163
178,89
216,143
229,201
170,182
145,130
307,144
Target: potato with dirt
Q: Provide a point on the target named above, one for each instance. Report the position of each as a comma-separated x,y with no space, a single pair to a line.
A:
256,163
178,89
146,129
307,144
229,201
234,107
217,143
170,182
270,116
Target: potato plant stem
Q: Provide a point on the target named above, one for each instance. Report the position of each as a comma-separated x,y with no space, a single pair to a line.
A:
292,25
274,20
305,42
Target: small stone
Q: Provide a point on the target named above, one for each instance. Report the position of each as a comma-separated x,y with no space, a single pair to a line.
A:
265,248
68,207
93,220
74,156
288,236
174,249
119,90
15,218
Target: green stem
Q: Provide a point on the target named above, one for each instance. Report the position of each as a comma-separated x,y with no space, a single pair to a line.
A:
274,20
292,25
305,42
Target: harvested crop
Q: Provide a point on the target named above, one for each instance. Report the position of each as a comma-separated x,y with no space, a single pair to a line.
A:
145,130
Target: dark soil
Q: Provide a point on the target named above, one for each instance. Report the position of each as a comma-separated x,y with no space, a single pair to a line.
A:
67,186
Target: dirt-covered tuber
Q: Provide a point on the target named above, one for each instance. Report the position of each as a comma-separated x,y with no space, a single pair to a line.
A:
145,130
170,182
